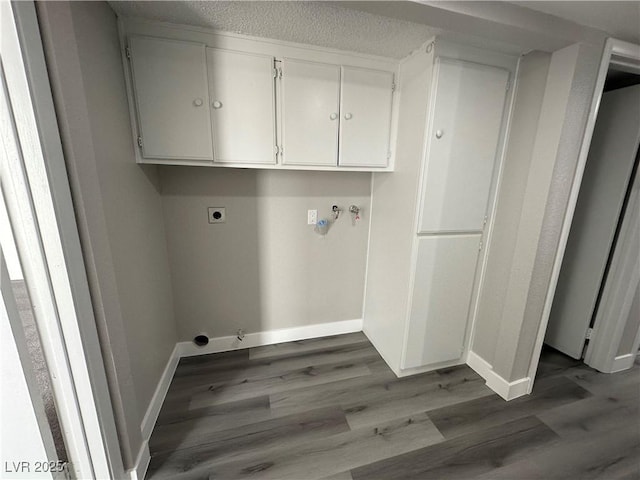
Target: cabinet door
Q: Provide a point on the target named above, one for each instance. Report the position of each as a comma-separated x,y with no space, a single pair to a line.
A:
170,83
310,113
465,128
442,292
241,88
365,121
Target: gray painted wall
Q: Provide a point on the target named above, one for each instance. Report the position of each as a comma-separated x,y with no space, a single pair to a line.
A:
510,314
548,134
265,268
118,208
132,204
531,82
573,127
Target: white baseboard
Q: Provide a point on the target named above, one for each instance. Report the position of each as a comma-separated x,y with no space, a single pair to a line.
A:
142,463
507,390
623,362
151,415
269,337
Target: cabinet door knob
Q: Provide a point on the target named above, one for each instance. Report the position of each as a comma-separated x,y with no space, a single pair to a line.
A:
348,116
197,102
333,116
217,104
439,133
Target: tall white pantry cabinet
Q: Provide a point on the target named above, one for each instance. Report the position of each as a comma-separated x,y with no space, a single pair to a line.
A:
431,217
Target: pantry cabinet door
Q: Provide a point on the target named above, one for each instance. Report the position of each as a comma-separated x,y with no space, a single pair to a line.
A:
310,113
442,290
463,144
365,120
241,88
171,96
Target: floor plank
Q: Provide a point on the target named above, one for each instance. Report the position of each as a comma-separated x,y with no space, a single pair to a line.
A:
465,456
601,383
615,455
264,367
242,388
595,415
492,410
178,411
177,453
373,400
331,455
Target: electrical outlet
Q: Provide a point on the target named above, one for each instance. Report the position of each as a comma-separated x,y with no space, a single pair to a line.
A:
312,217
217,215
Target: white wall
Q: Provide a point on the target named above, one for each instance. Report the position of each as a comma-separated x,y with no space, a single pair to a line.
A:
531,82
118,208
265,268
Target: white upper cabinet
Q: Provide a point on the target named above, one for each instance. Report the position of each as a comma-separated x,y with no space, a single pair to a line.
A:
335,115
310,113
171,96
463,144
365,117
227,100
242,92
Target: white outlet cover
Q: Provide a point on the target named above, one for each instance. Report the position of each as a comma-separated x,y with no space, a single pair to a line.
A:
312,217
217,215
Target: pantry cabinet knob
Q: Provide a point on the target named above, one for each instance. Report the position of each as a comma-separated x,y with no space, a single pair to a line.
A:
439,133
197,102
348,116
333,116
217,104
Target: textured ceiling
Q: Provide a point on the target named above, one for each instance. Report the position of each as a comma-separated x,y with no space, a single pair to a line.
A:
619,19
323,24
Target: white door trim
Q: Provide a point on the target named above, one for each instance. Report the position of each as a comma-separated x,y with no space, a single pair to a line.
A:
23,410
622,50
617,297
38,199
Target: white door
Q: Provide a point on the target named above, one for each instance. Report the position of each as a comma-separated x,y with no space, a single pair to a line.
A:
442,291
171,93
242,93
616,332
310,111
465,128
365,121
602,191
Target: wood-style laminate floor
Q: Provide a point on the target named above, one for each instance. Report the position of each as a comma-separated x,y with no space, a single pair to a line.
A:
330,408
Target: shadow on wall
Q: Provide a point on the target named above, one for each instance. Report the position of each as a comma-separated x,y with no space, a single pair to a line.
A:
265,268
